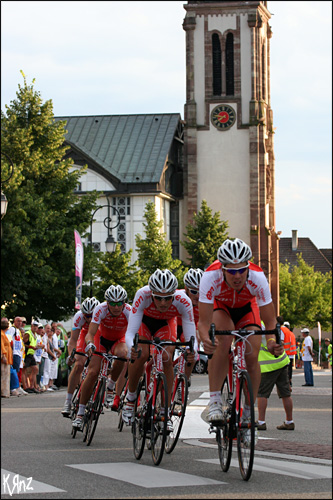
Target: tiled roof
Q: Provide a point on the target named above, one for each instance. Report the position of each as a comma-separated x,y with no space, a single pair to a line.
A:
132,148
310,254
327,252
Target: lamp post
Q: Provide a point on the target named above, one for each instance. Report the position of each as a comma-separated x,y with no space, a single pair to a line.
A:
110,223
4,201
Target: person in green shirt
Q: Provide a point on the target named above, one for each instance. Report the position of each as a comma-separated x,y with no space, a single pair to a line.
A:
328,344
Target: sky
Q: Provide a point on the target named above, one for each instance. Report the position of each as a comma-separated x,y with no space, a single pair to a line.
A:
99,58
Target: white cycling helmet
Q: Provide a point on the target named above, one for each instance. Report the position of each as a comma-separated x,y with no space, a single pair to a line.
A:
115,293
287,324
305,330
163,281
234,252
89,304
192,278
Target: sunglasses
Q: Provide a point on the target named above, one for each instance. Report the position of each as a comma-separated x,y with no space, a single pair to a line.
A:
159,298
88,315
240,270
193,292
113,304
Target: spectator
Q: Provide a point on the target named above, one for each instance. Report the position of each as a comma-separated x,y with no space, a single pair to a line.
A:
289,344
274,371
307,357
328,344
54,364
6,359
44,357
38,354
14,332
30,368
47,380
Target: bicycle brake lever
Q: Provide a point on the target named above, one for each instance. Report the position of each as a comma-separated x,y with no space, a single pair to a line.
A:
211,337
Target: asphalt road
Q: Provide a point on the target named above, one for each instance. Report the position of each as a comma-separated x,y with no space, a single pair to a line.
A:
39,458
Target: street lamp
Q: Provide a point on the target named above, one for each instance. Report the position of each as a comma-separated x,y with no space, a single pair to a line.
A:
110,222
4,201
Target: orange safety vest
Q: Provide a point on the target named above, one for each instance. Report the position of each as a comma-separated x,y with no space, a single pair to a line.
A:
289,342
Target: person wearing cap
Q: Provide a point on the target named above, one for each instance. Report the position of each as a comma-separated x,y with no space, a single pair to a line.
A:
307,357
30,368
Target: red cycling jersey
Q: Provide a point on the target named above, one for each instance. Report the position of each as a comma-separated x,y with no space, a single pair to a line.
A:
111,327
80,323
214,289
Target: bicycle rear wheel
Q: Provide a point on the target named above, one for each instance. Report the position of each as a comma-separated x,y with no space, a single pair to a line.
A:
139,425
120,409
95,410
74,409
224,434
159,419
245,427
177,412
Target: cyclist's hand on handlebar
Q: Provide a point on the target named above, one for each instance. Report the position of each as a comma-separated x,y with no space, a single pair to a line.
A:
208,346
70,361
190,356
135,354
274,348
90,348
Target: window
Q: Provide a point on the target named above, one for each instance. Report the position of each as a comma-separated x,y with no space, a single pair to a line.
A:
123,205
217,65
229,64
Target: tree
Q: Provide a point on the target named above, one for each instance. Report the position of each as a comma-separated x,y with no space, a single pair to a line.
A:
154,252
305,295
37,245
204,236
114,268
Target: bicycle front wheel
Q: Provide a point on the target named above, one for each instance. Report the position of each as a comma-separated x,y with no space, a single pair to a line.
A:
74,409
139,425
95,411
177,412
159,419
245,427
224,434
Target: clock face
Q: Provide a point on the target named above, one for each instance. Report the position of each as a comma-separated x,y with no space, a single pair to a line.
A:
223,116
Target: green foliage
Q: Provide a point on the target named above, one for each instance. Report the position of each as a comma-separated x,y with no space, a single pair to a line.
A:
305,295
114,268
205,236
154,252
37,245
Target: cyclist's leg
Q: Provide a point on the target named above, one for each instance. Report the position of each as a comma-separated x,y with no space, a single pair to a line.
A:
121,379
118,349
89,381
168,332
219,363
74,377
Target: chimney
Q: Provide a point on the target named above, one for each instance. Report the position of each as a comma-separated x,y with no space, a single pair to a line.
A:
294,240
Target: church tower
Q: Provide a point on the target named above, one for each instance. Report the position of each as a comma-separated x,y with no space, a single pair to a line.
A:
229,149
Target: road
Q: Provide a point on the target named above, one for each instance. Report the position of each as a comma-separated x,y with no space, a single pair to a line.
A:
39,457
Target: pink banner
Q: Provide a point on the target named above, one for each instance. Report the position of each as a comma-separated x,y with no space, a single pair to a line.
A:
78,269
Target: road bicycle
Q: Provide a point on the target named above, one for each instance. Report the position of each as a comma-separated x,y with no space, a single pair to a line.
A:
151,405
237,392
77,392
178,398
94,407
123,397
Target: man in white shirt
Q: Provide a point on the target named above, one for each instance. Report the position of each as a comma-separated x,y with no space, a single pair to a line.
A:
307,353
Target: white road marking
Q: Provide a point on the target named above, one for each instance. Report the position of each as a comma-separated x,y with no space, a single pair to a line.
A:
284,468
144,475
13,483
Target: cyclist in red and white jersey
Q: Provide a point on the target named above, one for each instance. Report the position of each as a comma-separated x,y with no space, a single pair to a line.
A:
154,314
191,281
234,294
80,327
106,333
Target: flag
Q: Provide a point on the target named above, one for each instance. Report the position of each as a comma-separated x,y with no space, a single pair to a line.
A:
78,269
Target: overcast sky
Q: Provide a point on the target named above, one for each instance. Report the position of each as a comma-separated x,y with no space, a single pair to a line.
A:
96,58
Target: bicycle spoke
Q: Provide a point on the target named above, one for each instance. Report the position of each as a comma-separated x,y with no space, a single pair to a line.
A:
177,412
139,422
245,426
159,420
96,410
224,434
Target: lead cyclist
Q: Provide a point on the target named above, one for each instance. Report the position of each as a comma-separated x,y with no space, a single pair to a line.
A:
234,294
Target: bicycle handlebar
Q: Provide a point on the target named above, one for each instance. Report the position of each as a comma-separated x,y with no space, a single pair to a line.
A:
157,342
110,357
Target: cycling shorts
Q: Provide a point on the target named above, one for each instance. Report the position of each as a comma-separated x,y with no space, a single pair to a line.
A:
105,345
165,329
247,315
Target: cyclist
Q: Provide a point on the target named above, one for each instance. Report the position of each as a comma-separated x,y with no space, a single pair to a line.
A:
191,281
81,323
234,294
154,314
106,333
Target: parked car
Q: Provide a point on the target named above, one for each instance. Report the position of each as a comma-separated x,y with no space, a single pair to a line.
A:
201,366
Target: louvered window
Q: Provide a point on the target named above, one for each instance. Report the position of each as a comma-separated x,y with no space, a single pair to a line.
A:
229,64
217,65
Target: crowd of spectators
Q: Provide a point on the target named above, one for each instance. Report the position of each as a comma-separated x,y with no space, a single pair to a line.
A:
29,357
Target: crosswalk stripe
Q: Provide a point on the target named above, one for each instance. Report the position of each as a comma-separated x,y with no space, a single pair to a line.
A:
144,475
13,483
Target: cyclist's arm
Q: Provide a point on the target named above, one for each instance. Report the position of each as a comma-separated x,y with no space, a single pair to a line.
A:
205,320
93,327
267,314
73,340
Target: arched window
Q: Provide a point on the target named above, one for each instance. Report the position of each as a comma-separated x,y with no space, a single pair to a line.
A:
229,64
217,65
